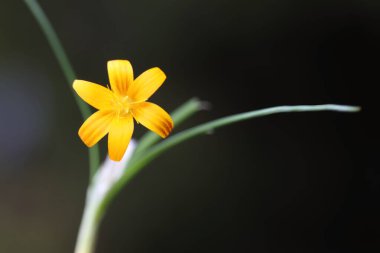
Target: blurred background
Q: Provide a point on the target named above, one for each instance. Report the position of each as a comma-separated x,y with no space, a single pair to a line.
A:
307,182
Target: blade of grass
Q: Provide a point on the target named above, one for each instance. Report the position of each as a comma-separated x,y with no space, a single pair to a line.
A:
67,70
137,164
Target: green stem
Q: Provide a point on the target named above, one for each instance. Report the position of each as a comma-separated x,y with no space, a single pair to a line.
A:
137,164
67,70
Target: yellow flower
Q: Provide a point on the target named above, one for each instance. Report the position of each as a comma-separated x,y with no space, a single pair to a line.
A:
119,105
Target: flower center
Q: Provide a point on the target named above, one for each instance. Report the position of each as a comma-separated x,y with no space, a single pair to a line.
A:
122,105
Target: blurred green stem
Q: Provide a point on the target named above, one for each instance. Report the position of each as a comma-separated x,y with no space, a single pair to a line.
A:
67,70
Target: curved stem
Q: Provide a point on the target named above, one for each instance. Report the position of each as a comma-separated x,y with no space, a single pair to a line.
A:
137,164
66,68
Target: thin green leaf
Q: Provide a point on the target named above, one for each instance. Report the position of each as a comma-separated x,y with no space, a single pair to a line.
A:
67,70
137,164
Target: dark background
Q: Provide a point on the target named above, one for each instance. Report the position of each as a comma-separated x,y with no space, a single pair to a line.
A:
306,182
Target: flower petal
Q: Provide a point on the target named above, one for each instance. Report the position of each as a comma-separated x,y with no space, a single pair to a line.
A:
96,127
94,94
153,117
146,84
120,73
119,136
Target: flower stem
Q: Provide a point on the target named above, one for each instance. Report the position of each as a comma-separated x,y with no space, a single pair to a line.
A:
89,226
66,68
108,173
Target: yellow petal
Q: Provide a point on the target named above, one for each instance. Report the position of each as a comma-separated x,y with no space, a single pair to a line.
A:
120,73
94,94
153,117
96,127
119,136
146,84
